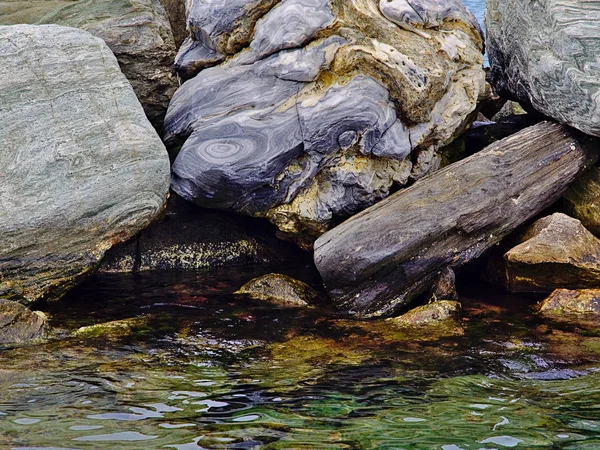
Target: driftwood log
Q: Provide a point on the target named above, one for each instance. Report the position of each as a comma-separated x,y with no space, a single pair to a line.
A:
381,259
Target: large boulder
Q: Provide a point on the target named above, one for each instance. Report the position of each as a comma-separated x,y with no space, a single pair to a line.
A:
545,54
556,252
385,257
81,166
303,111
137,31
582,199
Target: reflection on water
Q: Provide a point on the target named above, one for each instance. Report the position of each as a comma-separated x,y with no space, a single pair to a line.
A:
202,369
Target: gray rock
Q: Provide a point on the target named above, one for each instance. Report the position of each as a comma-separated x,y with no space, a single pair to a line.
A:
19,324
82,168
309,109
383,258
137,31
545,54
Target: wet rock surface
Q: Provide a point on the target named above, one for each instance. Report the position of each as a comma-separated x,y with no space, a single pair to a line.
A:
137,31
82,168
383,258
430,314
19,324
444,287
566,302
280,289
312,109
556,252
192,238
545,54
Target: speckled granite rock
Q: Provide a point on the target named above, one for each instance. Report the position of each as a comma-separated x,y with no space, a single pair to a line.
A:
194,238
280,289
545,54
82,168
313,109
556,252
137,31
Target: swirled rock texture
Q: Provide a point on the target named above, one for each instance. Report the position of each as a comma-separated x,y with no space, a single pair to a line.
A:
137,31
81,168
546,54
303,111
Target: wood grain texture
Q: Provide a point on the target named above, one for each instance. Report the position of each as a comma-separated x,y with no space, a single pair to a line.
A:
81,168
381,259
546,54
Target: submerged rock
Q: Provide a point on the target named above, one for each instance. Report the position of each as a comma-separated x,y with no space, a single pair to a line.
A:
556,252
137,32
280,289
545,54
430,314
19,324
307,110
82,168
582,199
382,259
193,238
115,328
565,302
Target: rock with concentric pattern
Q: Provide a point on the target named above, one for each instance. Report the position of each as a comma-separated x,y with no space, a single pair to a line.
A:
546,54
81,167
137,31
303,111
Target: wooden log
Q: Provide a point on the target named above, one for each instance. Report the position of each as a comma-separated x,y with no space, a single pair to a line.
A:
381,259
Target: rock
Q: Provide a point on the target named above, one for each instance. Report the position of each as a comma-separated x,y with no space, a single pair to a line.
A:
430,314
311,110
444,287
556,252
509,109
380,260
193,238
582,199
82,168
566,302
137,32
175,10
114,329
19,324
545,54
280,289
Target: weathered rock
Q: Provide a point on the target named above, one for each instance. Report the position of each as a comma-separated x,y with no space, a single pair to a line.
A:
509,109
175,10
556,252
137,32
381,259
114,329
193,238
444,287
430,314
565,302
280,289
307,110
19,324
545,54
582,199
82,168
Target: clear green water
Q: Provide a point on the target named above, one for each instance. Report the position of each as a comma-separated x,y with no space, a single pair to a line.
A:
203,369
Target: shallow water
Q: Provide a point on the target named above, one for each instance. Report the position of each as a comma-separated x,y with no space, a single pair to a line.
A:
201,368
